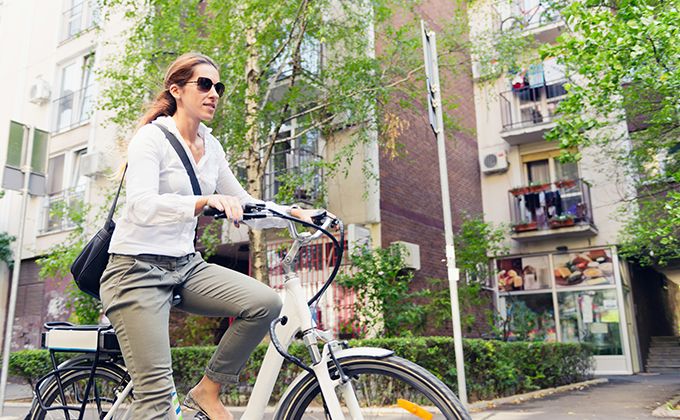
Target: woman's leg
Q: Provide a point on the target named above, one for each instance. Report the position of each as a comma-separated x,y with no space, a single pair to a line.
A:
213,290
136,297
217,291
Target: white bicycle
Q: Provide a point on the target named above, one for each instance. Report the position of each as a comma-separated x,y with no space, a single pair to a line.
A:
338,382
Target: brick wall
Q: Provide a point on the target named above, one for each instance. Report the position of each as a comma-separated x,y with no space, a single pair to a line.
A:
410,192
38,301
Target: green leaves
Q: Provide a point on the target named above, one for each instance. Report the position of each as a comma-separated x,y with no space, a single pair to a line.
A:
624,57
6,248
493,368
382,287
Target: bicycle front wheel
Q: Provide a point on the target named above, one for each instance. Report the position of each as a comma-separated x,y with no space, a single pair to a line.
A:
390,388
107,384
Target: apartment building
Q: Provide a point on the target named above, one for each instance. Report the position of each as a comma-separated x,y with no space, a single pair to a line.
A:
53,89
564,274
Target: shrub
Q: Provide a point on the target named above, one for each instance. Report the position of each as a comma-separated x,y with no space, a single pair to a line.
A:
493,368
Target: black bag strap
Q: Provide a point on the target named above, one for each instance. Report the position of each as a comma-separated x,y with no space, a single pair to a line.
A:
183,157
112,210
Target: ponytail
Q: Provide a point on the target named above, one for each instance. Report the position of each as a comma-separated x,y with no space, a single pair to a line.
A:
164,104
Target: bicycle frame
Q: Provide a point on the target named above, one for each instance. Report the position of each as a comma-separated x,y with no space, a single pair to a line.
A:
296,319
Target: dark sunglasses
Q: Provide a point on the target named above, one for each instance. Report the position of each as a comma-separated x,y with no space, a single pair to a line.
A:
205,84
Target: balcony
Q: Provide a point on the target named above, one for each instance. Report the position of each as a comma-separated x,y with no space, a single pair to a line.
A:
546,211
294,166
73,109
58,208
528,112
531,17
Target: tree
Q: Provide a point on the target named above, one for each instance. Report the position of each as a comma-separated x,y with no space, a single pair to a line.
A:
625,55
307,62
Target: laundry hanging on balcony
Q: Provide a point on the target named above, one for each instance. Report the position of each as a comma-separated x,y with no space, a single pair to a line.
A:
535,75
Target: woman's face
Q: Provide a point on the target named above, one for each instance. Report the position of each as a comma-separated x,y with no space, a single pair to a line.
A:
195,101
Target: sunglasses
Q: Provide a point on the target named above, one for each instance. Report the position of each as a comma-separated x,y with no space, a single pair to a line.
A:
205,84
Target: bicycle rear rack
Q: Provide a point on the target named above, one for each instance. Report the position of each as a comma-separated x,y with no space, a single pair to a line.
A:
97,340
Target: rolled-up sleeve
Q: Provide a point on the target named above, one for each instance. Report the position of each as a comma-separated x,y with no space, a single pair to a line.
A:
145,205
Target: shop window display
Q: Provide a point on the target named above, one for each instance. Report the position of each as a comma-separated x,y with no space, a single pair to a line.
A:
589,268
529,318
528,273
591,317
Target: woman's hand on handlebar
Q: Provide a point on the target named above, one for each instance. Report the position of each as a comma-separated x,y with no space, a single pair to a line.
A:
230,205
308,214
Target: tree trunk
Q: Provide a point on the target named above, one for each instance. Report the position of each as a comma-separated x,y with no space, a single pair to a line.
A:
254,168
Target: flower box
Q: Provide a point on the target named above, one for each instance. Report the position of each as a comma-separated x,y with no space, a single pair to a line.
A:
538,188
524,227
565,183
560,223
519,191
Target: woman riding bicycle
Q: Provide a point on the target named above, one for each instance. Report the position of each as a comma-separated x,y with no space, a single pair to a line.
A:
152,249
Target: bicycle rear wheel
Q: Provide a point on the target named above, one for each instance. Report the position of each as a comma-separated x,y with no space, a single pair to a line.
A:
103,393
390,388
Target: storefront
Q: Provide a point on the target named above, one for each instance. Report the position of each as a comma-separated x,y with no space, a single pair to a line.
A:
571,296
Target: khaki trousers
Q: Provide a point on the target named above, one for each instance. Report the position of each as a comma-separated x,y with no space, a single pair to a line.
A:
136,293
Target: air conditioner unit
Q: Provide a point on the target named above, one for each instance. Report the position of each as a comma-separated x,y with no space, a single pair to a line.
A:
476,70
92,164
357,237
412,254
493,161
39,92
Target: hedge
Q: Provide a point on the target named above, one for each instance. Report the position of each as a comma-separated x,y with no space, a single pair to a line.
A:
493,368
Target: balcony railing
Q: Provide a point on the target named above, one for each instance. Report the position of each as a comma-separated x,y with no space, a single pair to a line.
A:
298,163
528,106
57,208
519,16
551,207
73,108
81,17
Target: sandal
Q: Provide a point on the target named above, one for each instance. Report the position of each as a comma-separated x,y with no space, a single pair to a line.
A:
191,404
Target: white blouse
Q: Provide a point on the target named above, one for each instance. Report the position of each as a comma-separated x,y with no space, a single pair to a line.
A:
158,215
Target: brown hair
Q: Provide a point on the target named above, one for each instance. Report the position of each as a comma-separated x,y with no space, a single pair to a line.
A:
179,72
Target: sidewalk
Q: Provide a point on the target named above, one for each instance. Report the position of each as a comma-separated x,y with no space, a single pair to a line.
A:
622,397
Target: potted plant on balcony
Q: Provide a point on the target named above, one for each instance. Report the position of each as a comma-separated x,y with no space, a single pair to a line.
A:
519,191
535,187
524,227
565,183
561,221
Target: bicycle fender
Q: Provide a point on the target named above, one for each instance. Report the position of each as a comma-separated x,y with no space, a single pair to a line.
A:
368,352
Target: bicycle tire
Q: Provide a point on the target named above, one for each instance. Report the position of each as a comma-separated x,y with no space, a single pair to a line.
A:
399,377
108,380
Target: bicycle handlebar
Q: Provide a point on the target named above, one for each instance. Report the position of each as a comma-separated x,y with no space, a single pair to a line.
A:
321,223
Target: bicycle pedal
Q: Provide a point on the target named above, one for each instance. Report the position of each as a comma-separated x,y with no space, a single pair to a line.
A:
201,416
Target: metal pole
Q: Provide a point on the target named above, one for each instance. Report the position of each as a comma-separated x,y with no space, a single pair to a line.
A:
430,41
9,325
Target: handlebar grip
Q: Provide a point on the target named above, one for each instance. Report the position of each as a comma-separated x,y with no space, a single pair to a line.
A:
212,211
319,217
251,211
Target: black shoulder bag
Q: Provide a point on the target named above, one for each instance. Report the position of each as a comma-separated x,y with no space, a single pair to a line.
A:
89,265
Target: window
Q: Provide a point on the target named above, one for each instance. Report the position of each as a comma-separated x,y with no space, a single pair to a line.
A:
78,16
591,316
545,168
65,190
75,102
293,162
